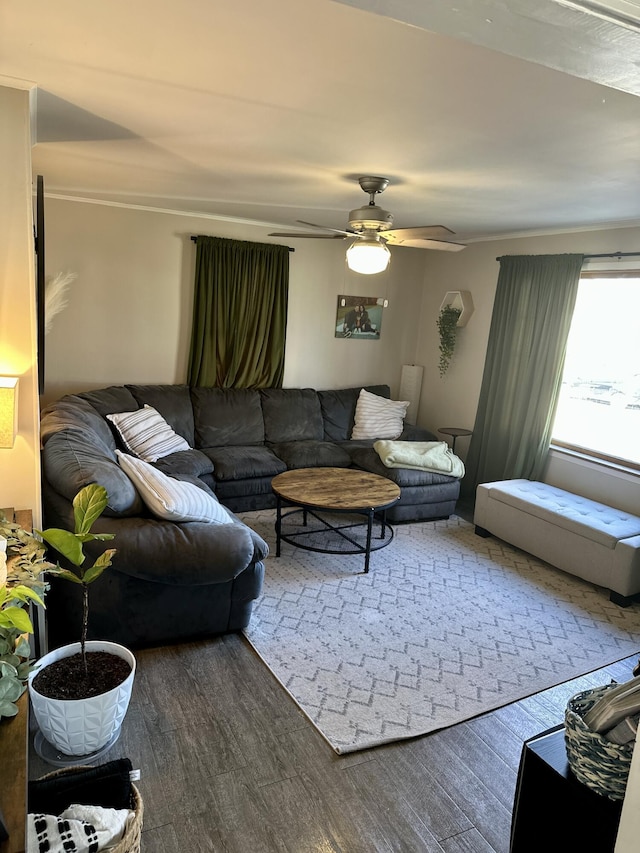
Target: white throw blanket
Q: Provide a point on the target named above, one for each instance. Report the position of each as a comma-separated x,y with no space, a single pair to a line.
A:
421,455
79,829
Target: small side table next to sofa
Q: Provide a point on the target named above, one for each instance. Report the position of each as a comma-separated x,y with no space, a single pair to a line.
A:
454,432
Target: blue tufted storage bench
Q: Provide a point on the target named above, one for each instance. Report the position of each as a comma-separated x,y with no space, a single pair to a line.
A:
591,540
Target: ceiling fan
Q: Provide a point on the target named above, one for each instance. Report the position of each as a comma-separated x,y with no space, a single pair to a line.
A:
371,228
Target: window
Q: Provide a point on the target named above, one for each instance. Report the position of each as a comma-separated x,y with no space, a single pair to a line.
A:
599,407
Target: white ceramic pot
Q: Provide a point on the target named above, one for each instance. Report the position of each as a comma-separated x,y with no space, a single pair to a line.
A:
82,726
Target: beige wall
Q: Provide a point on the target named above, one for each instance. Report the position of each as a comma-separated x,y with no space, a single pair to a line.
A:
19,466
453,399
128,315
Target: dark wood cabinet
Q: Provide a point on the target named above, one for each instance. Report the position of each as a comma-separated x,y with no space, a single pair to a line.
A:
14,732
554,811
13,791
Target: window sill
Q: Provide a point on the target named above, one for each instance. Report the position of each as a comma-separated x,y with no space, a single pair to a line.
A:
595,461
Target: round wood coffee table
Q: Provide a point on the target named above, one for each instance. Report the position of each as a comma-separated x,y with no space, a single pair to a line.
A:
339,491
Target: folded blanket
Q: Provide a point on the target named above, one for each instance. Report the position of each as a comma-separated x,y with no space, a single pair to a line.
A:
79,829
420,455
107,785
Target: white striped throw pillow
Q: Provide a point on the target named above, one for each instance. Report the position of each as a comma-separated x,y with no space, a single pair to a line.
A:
377,417
146,434
171,499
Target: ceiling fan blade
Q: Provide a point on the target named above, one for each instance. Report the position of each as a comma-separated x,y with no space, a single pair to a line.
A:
444,245
326,228
307,236
336,234
396,236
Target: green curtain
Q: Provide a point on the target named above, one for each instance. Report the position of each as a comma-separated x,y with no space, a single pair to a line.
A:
239,314
534,302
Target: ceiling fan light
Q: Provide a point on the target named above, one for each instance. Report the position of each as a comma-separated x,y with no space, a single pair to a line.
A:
367,256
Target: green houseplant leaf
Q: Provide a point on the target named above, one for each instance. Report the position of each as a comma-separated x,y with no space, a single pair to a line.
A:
103,562
88,506
65,543
9,666
24,594
11,689
22,647
16,617
69,576
22,564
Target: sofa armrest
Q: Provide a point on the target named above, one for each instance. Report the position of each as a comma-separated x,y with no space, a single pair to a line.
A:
182,554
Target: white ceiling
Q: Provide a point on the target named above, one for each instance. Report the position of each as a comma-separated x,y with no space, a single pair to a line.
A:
491,118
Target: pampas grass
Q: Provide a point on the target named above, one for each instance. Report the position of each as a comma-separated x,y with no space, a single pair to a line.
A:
55,297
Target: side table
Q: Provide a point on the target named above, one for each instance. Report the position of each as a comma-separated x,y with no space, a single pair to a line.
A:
454,432
13,793
552,810
14,744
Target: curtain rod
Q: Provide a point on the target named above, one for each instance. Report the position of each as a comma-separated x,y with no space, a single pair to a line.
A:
588,257
615,255
195,238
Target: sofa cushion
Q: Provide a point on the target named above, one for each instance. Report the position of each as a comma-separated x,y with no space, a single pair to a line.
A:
338,409
171,499
116,398
246,495
225,417
74,458
311,454
146,434
378,417
174,404
291,414
185,463
240,463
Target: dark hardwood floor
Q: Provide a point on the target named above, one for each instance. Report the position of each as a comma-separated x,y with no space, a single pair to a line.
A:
229,763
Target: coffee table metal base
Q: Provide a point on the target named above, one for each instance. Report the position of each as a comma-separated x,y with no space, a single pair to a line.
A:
361,532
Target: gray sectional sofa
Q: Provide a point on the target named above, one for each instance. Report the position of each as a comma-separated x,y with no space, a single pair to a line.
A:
170,581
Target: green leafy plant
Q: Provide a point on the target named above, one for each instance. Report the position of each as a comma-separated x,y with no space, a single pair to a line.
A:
88,506
21,584
447,329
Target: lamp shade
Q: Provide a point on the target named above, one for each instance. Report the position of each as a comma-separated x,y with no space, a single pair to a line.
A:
368,255
8,410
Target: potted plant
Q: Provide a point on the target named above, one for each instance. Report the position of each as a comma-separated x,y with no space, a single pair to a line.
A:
80,692
22,562
447,328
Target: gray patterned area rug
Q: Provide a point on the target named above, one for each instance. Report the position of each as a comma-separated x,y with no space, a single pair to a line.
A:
445,626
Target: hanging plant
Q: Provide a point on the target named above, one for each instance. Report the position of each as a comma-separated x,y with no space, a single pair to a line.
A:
447,328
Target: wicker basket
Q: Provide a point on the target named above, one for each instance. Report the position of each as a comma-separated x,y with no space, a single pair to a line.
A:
130,841
597,762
